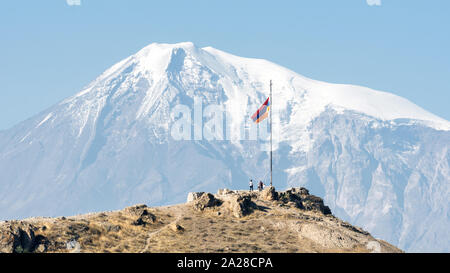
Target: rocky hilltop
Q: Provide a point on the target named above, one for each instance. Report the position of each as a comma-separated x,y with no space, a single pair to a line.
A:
229,221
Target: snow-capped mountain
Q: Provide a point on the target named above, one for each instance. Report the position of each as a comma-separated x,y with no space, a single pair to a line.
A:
378,160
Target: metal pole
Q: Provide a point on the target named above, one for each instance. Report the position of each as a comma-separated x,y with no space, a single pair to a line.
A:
271,110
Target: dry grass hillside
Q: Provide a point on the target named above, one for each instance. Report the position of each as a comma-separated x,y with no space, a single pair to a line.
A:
229,221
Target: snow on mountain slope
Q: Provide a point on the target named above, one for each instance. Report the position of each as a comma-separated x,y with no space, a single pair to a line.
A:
378,104
371,154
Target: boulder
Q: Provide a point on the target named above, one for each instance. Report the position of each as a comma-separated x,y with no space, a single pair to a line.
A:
176,228
7,242
144,217
269,194
240,206
291,195
192,196
312,202
206,200
303,200
18,237
41,248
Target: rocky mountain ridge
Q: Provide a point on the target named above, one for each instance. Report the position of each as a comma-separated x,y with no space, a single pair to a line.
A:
229,221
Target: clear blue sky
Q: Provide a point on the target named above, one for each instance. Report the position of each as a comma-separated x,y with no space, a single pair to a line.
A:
50,50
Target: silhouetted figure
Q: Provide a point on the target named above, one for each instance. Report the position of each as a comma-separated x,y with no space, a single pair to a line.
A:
260,186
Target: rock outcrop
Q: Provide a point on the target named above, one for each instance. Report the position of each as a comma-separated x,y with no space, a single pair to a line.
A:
19,237
301,198
144,217
239,203
205,200
229,221
269,194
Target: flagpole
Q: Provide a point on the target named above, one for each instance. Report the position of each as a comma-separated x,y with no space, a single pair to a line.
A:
271,110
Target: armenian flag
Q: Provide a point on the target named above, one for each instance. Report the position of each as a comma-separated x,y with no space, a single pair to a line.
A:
262,113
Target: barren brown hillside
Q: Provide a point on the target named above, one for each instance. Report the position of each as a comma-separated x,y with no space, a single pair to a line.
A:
229,221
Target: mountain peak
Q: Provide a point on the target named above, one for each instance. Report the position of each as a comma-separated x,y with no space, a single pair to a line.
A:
184,45
111,145
195,66
156,57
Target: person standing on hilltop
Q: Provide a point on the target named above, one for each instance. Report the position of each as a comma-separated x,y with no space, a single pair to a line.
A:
260,185
251,185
